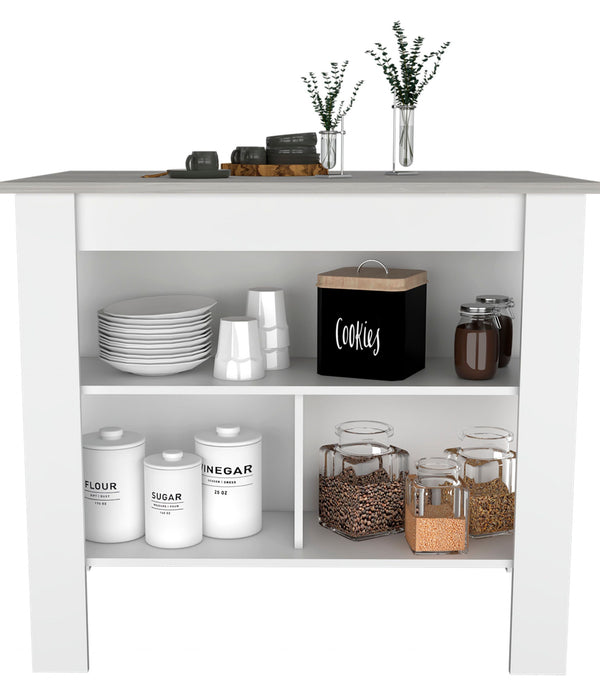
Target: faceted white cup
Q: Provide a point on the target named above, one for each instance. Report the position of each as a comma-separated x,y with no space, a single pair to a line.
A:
239,353
267,305
277,359
274,338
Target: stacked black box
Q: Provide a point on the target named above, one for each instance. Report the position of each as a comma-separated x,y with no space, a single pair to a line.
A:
294,148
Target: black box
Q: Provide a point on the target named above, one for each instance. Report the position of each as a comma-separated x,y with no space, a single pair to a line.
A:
371,324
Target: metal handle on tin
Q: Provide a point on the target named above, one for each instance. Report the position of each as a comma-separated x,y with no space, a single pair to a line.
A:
372,260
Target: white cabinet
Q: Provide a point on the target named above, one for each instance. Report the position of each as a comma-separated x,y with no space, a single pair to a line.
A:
88,238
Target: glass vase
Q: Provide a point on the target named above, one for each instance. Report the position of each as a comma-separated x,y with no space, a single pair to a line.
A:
403,135
406,134
329,148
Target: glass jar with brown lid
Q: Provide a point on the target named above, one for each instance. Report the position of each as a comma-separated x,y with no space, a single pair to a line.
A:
504,305
476,342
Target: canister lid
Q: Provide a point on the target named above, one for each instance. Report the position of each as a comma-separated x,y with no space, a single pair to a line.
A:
172,459
380,279
228,435
497,299
477,309
112,438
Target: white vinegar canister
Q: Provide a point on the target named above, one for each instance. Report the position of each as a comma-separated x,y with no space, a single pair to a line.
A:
231,481
113,485
173,491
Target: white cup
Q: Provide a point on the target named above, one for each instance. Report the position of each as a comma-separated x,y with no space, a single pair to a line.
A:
267,305
239,354
274,338
277,359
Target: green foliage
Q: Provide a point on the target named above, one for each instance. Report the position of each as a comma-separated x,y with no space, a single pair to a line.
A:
325,105
414,72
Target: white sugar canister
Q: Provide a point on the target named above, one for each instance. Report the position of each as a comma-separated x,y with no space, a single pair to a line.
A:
173,491
231,481
113,485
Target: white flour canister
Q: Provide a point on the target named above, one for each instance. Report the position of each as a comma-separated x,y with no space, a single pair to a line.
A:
173,491
231,481
113,485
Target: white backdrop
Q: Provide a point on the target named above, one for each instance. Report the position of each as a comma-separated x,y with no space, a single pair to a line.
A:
138,84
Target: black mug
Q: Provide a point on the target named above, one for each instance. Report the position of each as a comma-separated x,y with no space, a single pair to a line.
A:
200,161
249,155
253,155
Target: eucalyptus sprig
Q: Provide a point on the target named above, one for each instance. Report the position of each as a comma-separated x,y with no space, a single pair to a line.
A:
414,72
325,105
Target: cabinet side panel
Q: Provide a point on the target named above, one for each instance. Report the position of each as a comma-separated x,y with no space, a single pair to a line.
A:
552,276
52,429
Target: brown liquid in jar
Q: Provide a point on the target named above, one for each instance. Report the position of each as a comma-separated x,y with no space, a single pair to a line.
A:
506,339
475,351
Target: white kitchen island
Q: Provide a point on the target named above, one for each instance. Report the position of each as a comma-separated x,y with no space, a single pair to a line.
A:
88,238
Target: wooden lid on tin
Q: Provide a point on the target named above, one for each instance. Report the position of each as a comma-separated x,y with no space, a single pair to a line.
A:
380,279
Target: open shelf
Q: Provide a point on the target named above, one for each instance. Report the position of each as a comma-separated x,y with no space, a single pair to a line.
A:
437,379
273,546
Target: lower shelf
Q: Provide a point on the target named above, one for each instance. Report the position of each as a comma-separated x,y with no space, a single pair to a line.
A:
273,547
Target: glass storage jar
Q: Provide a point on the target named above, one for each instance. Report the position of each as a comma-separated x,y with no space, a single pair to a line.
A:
436,467
489,475
476,342
486,436
504,306
362,481
436,509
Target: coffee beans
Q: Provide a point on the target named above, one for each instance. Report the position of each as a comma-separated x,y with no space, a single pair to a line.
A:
491,507
362,506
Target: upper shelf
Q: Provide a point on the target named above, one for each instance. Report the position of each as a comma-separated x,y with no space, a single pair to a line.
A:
370,182
437,379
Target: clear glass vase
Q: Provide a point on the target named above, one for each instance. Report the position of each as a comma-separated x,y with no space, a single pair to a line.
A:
406,134
403,136
329,148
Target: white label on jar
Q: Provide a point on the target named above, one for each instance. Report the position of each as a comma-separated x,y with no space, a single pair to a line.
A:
166,502
222,478
101,493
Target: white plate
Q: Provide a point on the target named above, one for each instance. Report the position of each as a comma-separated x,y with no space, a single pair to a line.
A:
153,330
162,306
134,337
173,359
155,369
176,349
147,323
162,340
150,352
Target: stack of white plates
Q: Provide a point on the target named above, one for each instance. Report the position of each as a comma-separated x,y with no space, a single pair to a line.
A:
156,335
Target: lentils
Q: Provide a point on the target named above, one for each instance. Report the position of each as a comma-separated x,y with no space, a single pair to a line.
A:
362,506
491,507
436,532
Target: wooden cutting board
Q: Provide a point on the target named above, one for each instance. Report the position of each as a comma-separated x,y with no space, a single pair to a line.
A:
276,169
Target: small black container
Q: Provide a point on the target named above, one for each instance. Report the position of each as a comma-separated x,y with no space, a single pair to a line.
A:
371,322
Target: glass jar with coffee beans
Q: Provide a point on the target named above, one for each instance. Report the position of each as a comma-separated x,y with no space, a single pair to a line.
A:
504,305
362,481
476,341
